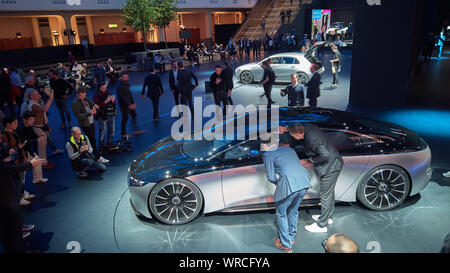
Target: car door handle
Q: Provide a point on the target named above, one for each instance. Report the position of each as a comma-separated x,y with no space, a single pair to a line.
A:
292,66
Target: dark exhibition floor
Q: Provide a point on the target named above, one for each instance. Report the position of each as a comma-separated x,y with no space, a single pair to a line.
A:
96,213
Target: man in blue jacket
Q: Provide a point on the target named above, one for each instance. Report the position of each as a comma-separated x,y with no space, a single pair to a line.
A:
291,186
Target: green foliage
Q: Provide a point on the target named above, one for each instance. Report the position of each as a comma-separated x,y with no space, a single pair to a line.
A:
164,12
137,14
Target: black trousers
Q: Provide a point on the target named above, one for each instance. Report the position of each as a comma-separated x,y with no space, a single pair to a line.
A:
327,198
126,112
90,133
313,102
222,99
10,105
155,102
268,94
176,96
186,99
64,113
11,224
230,100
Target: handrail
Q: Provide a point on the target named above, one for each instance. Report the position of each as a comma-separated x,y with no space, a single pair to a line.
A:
272,3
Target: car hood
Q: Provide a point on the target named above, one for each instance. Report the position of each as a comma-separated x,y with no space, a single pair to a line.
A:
164,160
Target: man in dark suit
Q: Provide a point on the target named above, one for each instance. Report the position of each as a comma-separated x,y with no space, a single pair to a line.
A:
100,73
173,82
228,71
186,87
291,187
314,86
328,164
155,90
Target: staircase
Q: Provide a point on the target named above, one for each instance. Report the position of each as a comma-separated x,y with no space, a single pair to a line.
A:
252,28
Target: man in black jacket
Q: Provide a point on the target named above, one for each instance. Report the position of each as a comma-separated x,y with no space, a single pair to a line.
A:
11,218
228,71
173,82
328,164
127,105
62,90
186,87
155,90
314,86
219,86
267,82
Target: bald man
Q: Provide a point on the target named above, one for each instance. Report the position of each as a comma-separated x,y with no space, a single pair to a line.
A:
341,243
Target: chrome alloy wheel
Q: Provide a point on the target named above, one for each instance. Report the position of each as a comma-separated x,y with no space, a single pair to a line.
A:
246,77
175,201
384,188
302,78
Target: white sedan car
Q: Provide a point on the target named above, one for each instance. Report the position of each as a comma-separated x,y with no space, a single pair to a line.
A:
283,64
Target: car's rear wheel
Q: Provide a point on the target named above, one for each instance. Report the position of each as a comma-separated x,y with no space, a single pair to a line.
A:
302,78
175,201
246,77
384,188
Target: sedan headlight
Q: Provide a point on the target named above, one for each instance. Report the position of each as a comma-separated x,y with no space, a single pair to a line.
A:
133,182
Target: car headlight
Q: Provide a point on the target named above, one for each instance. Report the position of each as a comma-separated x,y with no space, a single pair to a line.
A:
133,182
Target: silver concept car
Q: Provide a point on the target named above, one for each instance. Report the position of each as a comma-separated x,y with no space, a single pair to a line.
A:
283,64
175,181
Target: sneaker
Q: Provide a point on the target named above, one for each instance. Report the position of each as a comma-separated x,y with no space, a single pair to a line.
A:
102,160
28,196
316,218
63,126
126,136
41,180
138,132
58,152
82,174
316,229
279,245
28,228
26,234
24,203
447,174
49,165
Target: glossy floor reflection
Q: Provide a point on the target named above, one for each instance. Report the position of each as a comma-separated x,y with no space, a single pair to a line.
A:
418,226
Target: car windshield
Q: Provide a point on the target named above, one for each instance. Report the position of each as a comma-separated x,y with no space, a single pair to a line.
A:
202,149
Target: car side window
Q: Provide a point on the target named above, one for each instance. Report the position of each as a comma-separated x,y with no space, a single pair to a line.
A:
296,61
249,151
276,60
288,60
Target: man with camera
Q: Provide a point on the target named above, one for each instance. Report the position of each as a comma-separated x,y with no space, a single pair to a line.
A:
106,113
84,109
80,150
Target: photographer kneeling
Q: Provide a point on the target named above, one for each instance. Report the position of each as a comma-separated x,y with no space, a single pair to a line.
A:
79,149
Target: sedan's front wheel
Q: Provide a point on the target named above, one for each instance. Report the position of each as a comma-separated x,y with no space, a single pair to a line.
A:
302,78
175,201
384,188
246,77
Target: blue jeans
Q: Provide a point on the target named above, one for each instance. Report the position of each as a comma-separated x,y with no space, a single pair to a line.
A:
87,163
287,217
110,123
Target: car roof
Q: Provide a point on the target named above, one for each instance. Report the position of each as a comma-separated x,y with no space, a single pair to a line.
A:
288,54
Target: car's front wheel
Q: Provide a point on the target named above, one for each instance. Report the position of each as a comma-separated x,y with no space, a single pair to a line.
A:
175,201
246,77
384,188
302,78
